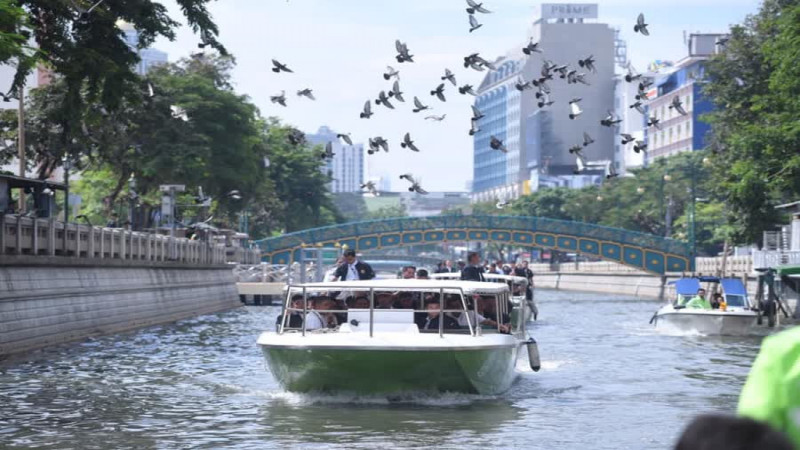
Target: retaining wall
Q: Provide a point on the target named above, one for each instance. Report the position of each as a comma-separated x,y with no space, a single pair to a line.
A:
45,302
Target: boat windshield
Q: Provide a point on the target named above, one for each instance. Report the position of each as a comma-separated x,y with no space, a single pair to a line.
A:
738,301
396,309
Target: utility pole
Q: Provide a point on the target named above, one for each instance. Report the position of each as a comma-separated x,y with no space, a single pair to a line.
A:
21,146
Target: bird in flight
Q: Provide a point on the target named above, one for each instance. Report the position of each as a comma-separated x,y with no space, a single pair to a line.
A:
306,93
439,92
476,113
574,108
476,7
383,100
473,23
639,146
328,152
345,138
418,106
610,120
588,63
377,143
367,113
448,75
279,99
403,54
396,92
436,118
502,204
497,144
391,72
280,67
632,75
677,105
466,89
653,122
627,138
408,143
638,106
531,48
370,187
587,140
641,26
415,184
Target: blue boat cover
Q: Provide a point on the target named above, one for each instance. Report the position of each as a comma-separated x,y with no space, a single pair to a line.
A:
687,286
733,286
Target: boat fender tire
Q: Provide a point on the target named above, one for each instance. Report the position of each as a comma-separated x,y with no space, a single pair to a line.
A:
533,355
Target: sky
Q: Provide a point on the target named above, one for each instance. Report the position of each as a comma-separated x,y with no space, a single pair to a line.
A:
340,49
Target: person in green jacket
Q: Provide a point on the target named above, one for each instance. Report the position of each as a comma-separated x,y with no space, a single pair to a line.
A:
699,301
771,393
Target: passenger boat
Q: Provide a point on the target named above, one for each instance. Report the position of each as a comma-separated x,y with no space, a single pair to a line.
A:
384,351
738,318
518,286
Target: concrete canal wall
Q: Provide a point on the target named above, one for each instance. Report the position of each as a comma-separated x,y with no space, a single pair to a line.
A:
46,301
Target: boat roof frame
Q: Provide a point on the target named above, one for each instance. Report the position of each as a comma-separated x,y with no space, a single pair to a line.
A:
467,287
487,276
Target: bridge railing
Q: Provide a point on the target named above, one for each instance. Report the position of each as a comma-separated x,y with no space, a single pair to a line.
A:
21,235
274,273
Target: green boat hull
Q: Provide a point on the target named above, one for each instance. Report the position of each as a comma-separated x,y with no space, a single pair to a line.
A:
481,371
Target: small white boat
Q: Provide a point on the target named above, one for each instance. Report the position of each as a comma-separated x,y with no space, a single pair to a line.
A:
517,285
738,317
385,351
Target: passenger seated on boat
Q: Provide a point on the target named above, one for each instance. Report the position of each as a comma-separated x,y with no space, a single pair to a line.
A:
319,318
361,302
474,316
489,309
384,300
716,300
699,301
340,305
405,301
431,320
295,318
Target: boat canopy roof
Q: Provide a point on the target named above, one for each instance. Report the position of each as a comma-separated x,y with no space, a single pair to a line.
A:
686,286
789,270
733,286
468,287
488,276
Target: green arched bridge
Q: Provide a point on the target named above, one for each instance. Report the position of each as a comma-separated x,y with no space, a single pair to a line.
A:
642,251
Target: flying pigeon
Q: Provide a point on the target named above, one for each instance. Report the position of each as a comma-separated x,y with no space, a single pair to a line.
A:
573,77
632,75
545,100
502,204
497,144
408,177
562,71
391,72
402,52
418,106
306,93
279,99
575,110
345,138
476,113
639,146
473,127
638,106
473,23
180,113
721,41
383,100
653,122
611,170
377,143
473,7
641,26
367,113
475,61
439,92
370,187
610,120
279,67
466,89
396,93
588,63
521,85
408,143
436,118
448,75
531,48
84,14
627,138
328,152
587,140
677,105
576,150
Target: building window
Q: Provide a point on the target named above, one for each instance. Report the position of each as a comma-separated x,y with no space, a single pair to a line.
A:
670,135
679,132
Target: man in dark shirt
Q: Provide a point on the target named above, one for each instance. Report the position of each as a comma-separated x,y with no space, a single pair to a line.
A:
353,269
474,271
294,318
431,320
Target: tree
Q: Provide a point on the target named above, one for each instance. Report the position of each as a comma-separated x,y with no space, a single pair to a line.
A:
389,212
351,206
755,83
15,29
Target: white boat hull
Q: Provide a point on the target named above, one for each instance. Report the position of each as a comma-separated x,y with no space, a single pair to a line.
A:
707,322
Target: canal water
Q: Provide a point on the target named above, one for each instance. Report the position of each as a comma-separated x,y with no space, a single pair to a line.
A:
608,381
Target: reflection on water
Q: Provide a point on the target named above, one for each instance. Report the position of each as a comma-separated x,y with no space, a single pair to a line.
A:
608,381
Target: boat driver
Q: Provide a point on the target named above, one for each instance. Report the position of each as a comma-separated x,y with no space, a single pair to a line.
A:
699,301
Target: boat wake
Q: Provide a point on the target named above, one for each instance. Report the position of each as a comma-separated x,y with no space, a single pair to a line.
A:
406,398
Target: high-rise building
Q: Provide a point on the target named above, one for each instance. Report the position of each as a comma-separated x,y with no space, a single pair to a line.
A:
681,133
346,168
538,139
148,57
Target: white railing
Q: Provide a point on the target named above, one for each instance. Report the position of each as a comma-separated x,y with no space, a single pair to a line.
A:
274,273
765,258
48,237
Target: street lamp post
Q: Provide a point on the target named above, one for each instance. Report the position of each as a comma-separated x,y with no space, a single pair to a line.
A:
131,202
67,165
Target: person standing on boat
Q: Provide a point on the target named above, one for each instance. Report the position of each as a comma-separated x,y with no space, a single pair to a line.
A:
771,393
353,269
524,271
699,301
474,271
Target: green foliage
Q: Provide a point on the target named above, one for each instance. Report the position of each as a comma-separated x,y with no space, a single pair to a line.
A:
14,32
351,206
756,132
389,212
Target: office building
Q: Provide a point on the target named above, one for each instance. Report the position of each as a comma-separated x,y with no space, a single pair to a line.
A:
681,133
148,57
347,165
538,139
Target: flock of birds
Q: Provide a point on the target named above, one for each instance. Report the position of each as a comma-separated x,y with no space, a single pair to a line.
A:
394,95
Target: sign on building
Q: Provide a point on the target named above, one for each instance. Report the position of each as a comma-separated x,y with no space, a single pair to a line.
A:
569,11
